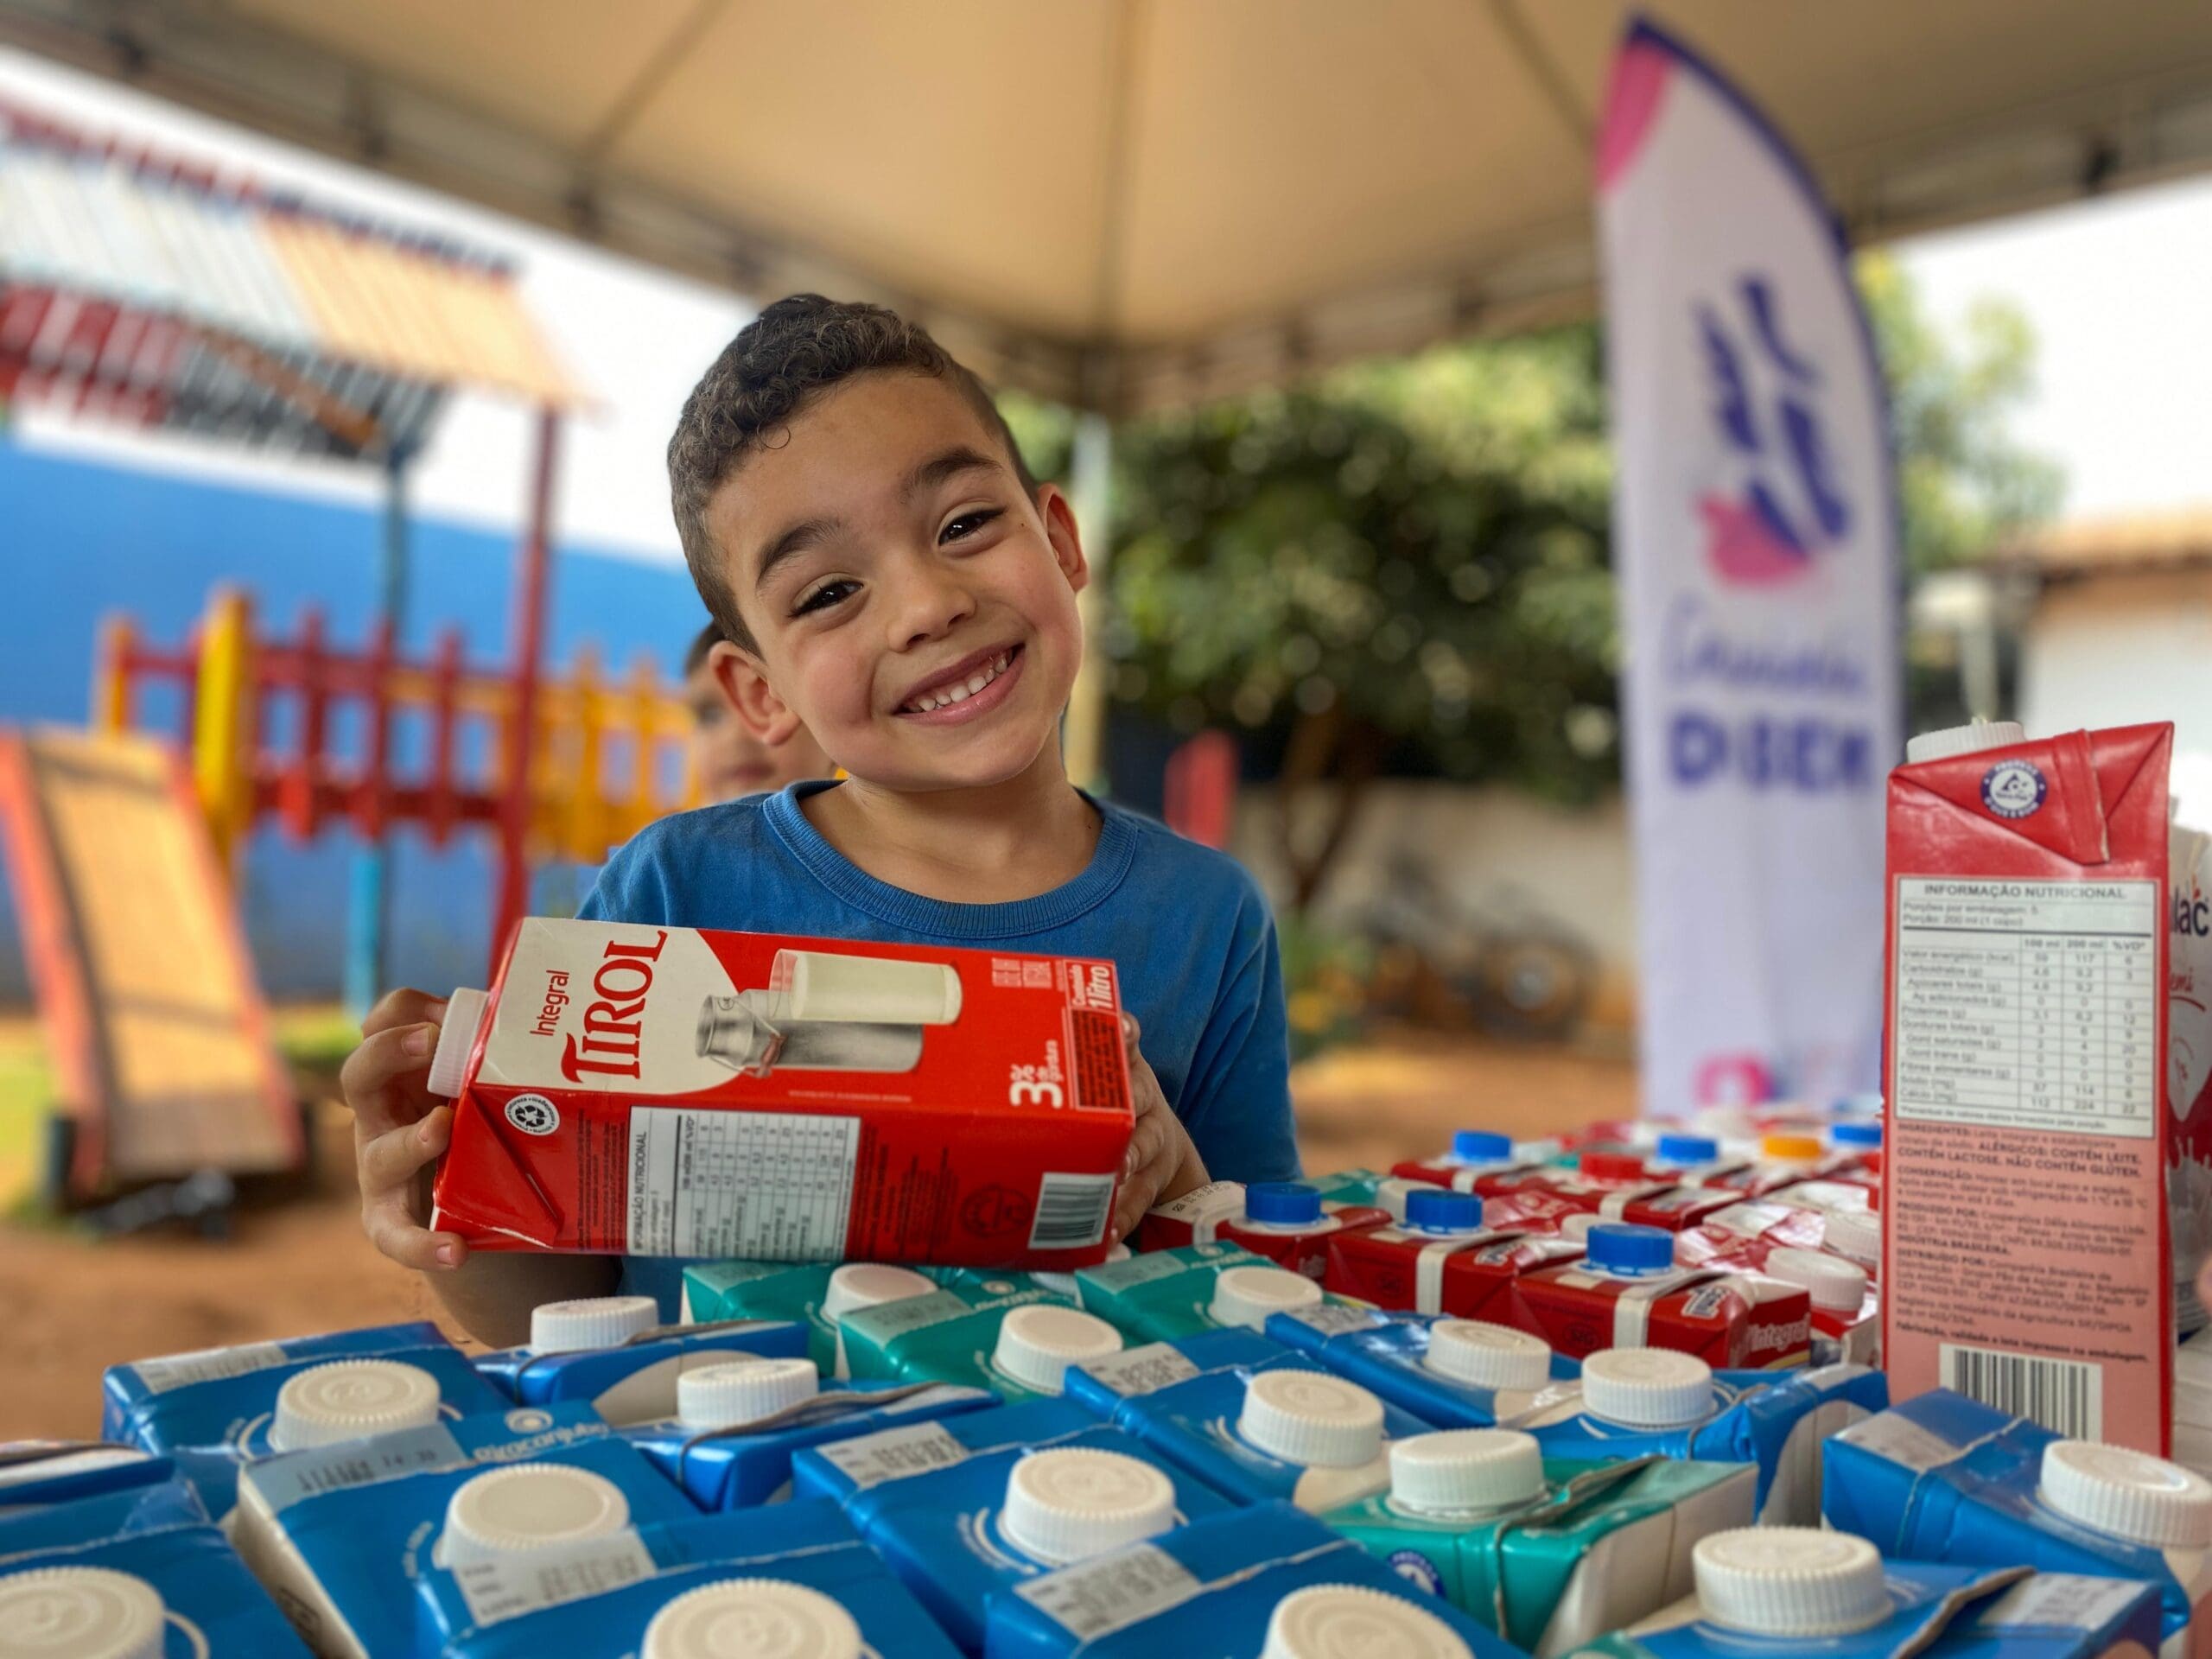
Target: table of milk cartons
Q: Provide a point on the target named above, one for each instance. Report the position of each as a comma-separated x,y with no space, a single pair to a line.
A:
2028,1004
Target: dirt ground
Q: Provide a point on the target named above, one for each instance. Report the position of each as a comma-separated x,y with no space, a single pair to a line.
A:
70,1306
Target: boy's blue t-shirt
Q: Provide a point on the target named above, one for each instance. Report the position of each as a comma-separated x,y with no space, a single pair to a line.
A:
1186,929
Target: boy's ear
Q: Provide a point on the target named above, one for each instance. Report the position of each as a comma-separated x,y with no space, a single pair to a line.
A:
745,687
1060,529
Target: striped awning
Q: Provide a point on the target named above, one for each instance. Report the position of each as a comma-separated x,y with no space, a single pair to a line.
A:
148,289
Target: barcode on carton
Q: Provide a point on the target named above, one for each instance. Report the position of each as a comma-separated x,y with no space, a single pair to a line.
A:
2065,1395
1071,1211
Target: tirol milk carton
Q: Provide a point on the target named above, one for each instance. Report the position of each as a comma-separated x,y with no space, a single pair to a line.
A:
815,1293
220,1407
1627,1293
1454,1373
1017,1343
1288,1222
2189,1067
1547,1555
1792,1593
1941,1478
795,1581
1483,1162
613,1353
1263,1583
1449,1255
340,1534
739,1425
660,1091
35,1473
2028,1129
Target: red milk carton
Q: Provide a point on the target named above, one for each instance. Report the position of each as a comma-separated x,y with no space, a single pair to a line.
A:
1480,1161
2027,1148
1447,1258
1288,1222
1628,1292
1621,1187
663,1091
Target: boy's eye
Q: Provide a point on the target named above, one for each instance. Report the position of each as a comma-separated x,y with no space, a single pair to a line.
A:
969,523
829,593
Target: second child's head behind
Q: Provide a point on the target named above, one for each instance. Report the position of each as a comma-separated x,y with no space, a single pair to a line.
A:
857,518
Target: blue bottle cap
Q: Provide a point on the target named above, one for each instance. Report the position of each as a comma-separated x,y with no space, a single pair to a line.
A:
1855,1135
1282,1203
1481,1146
1619,1247
1438,1209
1688,1149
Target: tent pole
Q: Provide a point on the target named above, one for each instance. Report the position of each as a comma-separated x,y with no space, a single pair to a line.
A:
368,919
1090,490
528,636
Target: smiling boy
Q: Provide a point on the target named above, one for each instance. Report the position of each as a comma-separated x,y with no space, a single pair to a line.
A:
862,526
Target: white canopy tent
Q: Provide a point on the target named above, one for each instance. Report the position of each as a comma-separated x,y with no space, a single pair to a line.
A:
1123,203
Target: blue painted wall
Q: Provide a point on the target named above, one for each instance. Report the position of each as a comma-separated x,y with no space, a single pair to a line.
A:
79,539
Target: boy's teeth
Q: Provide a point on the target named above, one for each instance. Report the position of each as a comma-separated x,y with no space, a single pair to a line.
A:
959,692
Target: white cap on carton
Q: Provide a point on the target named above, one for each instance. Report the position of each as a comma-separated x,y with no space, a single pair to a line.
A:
1836,1286
1854,1233
1036,1344
752,1616
869,1284
1947,740
527,1506
1488,1355
348,1399
590,1322
1647,1388
1311,1419
1343,1621
743,1391
465,1012
1792,1581
1071,1505
82,1613
2130,1495
1458,1470
1246,1296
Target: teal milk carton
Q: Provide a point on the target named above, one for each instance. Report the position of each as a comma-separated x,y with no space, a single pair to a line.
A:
1164,1294
614,1354
1017,1340
814,1293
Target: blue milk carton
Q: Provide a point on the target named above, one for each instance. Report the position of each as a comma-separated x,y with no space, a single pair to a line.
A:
220,1408
1642,1402
737,1426
340,1534
709,1585
139,1572
35,1473
1942,1478
613,1353
958,1533
1262,1583
842,1469
1797,1592
1454,1373
1249,1417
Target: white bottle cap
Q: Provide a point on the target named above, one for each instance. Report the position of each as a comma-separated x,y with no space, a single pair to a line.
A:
1070,1505
1794,1581
869,1284
1036,1344
743,1391
81,1613
1488,1355
350,1398
1948,741
1456,1470
1836,1286
1343,1621
527,1506
465,1012
739,1617
2130,1495
1647,1388
590,1322
1311,1419
1854,1233
1246,1296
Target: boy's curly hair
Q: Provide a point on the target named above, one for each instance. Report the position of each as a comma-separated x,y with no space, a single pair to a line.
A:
795,349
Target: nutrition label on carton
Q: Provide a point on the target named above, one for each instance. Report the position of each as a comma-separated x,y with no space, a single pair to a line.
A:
768,1187
2028,1004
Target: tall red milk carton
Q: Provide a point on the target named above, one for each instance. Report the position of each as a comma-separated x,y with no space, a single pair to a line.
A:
663,1091
2030,1142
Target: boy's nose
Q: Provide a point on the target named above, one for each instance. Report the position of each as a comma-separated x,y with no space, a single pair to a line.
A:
927,600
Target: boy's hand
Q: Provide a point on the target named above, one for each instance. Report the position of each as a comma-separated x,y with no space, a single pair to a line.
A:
1161,1161
399,1129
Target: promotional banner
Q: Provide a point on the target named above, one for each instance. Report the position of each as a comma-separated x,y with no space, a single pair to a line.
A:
1755,535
